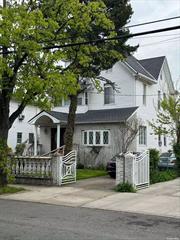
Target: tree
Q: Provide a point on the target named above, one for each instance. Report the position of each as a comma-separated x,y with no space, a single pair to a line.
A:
168,122
30,64
91,60
127,133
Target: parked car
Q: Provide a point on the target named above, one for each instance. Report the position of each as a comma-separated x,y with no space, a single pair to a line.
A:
111,165
167,161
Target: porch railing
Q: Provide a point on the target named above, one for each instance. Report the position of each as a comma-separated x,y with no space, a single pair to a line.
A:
32,167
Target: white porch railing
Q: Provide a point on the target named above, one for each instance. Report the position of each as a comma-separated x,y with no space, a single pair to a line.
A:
32,167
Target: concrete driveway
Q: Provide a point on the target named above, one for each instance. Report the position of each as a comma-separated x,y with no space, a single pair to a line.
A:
161,199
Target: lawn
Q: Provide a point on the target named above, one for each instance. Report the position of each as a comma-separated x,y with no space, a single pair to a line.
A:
90,173
9,189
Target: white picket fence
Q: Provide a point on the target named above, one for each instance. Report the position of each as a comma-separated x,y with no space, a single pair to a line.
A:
141,170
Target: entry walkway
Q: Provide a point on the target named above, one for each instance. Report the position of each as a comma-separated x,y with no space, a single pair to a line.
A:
161,199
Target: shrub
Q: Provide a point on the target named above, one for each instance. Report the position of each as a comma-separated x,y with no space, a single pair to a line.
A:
162,176
80,165
20,149
154,159
176,149
125,187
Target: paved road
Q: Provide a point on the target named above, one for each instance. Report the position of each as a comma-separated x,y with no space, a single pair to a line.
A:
35,221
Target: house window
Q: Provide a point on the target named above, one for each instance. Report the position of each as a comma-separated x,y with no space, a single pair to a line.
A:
159,140
108,94
142,135
86,98
96,137
19,137
144,94
31,137
164,96
165,141
159,100
79,101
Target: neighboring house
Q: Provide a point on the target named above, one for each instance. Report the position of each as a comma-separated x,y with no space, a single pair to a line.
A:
21,131
141,85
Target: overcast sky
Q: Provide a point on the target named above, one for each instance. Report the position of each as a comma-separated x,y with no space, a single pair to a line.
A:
161,44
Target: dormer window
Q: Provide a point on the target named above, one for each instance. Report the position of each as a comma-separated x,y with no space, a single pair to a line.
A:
109,94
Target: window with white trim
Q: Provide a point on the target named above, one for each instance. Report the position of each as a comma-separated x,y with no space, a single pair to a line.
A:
96,137
142,135
19,137
109,94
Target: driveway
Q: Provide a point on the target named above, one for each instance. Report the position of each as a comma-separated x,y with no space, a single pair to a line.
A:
162,199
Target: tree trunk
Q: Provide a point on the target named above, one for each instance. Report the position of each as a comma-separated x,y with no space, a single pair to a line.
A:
68,136
4,128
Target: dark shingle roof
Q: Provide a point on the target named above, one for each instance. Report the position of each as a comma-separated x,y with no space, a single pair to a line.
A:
153,65
98,116
137,66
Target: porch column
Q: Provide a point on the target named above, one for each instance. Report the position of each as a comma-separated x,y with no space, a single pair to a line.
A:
35,140
58,135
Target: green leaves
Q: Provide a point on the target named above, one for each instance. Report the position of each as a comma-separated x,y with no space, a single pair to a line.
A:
168,118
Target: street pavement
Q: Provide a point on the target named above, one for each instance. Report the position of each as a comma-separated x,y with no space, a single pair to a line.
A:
34,221
162,199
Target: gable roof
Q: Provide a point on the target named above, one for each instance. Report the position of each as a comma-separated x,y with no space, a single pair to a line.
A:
138,67
153,65
93,116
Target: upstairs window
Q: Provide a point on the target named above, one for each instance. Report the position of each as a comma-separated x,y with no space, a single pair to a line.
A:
31,138
142,135
109,94
159,100
79,101
144,94
86,98
19,137
96,137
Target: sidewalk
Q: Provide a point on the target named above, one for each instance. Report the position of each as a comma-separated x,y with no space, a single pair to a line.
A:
162,199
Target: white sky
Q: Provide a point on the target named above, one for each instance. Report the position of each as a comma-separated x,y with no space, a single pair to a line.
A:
153,45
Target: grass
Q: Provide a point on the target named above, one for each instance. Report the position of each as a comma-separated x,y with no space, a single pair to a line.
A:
8,189
162,176
89,173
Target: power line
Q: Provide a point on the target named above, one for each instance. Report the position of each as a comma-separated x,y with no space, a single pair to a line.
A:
160,42
156,21
96,41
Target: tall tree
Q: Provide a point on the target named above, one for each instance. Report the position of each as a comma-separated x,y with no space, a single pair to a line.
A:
32,33
91,60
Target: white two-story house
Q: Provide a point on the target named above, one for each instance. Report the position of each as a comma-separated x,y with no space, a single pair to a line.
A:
133,88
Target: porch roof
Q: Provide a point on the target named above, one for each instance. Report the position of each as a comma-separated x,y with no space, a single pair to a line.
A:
91,116
99,116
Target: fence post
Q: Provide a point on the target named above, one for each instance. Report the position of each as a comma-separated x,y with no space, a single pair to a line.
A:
129,171
119,168
56,170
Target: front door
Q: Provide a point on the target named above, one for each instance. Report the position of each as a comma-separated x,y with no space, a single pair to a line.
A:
54,137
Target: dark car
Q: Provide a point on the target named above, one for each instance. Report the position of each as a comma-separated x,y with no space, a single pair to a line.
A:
167,161
111,165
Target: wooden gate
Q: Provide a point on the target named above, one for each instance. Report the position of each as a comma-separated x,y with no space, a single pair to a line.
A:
141,170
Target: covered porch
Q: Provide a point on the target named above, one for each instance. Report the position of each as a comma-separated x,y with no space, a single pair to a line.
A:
48,132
